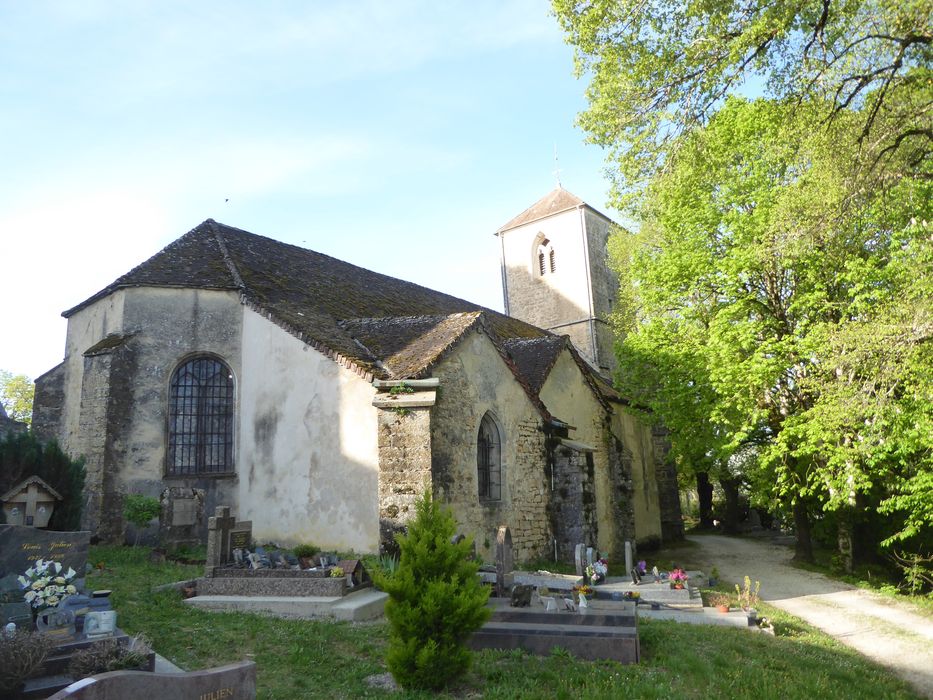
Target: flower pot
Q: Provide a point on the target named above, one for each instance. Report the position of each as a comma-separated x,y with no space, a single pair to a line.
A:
752,616
722,608
677,586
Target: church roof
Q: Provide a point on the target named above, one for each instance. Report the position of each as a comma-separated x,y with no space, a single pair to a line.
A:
554,202
378,325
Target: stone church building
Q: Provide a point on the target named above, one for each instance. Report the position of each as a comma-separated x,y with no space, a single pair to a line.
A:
320,399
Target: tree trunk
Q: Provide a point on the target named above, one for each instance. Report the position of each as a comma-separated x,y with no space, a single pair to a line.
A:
803,550
705,499
731,517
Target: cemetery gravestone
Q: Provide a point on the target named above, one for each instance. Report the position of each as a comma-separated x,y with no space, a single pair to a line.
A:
578,553
504,563
628,555
22,546
234,682
219,551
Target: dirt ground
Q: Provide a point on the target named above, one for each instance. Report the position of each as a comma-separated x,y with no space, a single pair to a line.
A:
894,633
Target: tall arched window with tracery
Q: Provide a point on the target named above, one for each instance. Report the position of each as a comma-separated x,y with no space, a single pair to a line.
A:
200,420
489,460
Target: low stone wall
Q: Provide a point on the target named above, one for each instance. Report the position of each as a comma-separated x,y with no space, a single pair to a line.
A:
274,584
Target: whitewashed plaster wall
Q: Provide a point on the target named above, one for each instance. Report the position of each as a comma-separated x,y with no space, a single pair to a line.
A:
558,297
308,454
474,379
582,289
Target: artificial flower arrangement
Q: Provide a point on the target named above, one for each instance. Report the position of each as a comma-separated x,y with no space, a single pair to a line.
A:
678,577
584,590
596,572
45,585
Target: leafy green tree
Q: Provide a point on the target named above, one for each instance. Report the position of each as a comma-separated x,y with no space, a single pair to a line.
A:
778,307
436,601
16,395
660,69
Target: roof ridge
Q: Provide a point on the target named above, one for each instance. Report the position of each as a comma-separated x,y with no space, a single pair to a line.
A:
225,253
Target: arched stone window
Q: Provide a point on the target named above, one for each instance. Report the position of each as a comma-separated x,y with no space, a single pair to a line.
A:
489,460
200,418
545,256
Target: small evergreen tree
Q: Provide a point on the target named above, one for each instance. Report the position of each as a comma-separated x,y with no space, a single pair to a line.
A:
436,601
139,510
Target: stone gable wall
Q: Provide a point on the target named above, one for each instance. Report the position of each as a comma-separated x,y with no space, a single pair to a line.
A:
473,380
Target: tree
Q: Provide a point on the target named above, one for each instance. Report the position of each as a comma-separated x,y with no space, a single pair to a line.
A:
436,601
16,395
140,510
781,308
661,69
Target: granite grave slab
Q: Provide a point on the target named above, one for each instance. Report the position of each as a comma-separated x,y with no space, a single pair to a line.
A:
233,682
21,546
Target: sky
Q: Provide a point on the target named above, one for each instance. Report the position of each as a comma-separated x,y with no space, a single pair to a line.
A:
398,136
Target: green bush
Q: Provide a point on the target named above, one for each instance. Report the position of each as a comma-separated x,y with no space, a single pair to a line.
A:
305,550
436,601
139,510
24,455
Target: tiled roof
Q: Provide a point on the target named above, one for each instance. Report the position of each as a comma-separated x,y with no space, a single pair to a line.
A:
409,345
535,357
554,202
373,323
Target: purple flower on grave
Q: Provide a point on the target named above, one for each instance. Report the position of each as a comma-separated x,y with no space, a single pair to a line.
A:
642,566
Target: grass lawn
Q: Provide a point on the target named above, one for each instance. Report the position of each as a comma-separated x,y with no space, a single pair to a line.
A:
313,659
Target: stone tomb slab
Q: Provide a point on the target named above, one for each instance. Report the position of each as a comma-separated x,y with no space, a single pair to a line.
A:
607,633
557,582
234,682
21,546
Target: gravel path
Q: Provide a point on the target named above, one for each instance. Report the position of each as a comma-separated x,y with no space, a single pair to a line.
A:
896,634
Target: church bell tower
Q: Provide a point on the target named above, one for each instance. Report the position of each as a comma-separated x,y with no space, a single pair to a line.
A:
555,274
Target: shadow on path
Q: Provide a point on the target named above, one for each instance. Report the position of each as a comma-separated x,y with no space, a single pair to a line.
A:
894,633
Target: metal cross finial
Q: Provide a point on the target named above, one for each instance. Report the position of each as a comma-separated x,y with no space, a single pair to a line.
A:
556,165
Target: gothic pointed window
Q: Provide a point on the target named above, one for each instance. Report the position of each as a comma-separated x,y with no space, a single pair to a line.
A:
489,460
200,421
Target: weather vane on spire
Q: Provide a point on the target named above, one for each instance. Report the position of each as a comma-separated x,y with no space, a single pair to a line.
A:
556,166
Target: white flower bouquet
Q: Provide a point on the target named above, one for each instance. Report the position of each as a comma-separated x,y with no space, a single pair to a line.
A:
45,585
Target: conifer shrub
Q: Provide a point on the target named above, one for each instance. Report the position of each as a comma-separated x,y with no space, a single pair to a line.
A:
140,510
436,601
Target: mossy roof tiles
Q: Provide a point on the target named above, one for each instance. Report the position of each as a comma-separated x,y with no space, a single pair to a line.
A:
377,324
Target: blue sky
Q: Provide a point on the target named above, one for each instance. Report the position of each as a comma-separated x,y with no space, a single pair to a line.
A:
395,135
